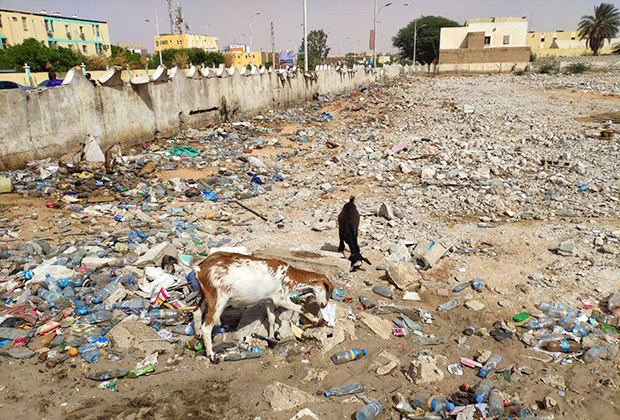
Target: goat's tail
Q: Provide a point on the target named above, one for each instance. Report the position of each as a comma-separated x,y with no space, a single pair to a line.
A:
351,199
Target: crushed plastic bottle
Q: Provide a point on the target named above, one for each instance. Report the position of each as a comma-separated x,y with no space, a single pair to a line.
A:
135,303
449,305
184,329
163,313
370,410
241,356
338,391
606,351
89,352
545,305
490,365
496,403
96,317
482,390
478,284
348,355
536,324
383,291
433,404
560,313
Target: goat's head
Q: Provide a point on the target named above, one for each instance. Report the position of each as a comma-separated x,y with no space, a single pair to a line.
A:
322,288
357,259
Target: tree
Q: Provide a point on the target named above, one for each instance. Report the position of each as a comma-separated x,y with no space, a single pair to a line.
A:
39,57
429,28
317,48
123,57
183,57
600,27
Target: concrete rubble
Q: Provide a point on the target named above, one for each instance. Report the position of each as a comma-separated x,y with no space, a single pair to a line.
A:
457,179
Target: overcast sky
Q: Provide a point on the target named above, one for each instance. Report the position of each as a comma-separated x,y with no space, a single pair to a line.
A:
347,21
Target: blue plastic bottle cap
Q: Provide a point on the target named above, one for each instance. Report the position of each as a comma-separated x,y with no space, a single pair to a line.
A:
364,352
479,398
450,406
483,374
327,393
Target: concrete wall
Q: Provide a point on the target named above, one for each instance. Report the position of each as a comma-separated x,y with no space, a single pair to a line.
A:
49,122
599,63
453,38
38,77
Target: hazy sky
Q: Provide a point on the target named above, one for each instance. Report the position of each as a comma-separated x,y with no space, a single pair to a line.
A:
352,19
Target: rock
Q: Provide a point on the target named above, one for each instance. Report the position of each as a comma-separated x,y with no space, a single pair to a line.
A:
411,296
314,376
253,320
92,151
613,301
384,370
482,356
20,352
549,402
6,184
424,369
148,168
385,211
381,327
157,253
555,381
133,336
405,168
609,249
305,414
256,163
427,174
474,305
283,397
399,252
565,248
403,275
325,338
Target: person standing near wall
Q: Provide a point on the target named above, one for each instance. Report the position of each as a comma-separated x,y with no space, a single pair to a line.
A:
53,81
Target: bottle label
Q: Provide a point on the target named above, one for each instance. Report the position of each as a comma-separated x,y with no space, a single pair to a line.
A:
376,406
353,354
565,346
431,404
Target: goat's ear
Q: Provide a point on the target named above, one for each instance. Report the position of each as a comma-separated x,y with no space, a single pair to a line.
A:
366,260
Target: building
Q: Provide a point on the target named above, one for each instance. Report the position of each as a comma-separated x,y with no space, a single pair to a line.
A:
204,42
86,37
563,44
485,45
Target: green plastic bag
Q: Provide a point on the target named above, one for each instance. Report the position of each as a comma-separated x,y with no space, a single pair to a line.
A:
186,151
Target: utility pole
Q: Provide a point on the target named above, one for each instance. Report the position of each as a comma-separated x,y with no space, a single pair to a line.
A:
306,38
374,31
251,43
273,45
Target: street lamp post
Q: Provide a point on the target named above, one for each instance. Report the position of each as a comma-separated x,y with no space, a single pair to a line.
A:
374,52
157,29
251,43
415,32
305,38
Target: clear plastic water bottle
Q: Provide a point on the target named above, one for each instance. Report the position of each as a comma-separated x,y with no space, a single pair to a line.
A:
345,356
135,303
71,282
104,293
595,353
369,411
490,365
539,323
436,405
49,296
478,284
545,305
96,317
184,329
89,352
163,313
496,403
383,291
580,329
77,257
560,313
345,390
482,390
68,293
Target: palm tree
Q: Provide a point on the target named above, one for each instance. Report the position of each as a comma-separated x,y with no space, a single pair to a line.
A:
603,25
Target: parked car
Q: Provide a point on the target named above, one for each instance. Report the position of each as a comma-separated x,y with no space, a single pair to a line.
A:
45,82
5,84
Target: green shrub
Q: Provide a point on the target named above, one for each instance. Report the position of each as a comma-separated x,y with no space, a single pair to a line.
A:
533,57
577,68
521,73
546,68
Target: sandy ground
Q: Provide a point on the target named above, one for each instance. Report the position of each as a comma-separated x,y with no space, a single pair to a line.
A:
508,254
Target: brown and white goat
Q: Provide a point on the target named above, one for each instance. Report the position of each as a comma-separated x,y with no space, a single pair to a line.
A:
228,278
348,225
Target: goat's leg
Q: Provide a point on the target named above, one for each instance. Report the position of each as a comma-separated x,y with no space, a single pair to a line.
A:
341,246
198,314
207,329
271,318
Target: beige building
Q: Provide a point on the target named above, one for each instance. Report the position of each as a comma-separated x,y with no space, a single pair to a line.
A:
86,37
169,42
563,44
485,45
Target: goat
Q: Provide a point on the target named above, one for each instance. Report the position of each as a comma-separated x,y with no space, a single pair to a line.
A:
226,277
348,224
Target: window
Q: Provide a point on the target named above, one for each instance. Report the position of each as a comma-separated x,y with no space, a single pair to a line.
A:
84,48
3,44
70,46
14,19
572,38
0,21
25,24
506,39
487,40
81,31
542,39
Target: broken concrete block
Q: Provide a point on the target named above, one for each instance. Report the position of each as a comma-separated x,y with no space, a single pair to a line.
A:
148,168
427,253
474,305
411,296
385,211
424,370
381,327
157,253
613,301
428,174
283,397
92,151
6,184
403,275
134,337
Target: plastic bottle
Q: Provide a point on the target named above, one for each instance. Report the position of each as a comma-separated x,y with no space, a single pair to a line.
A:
163,313
482,390
71,282
478,284
490,365
345,390
68,293
77,257
496,403
104,293
49,296
594,353
184,329
369,411
241,356
135,303
449,305
580,329
348,355
194,344
436,405
539,323
545,305
383,291
89,352
564,346
461,286
110,374
96,317
560,313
